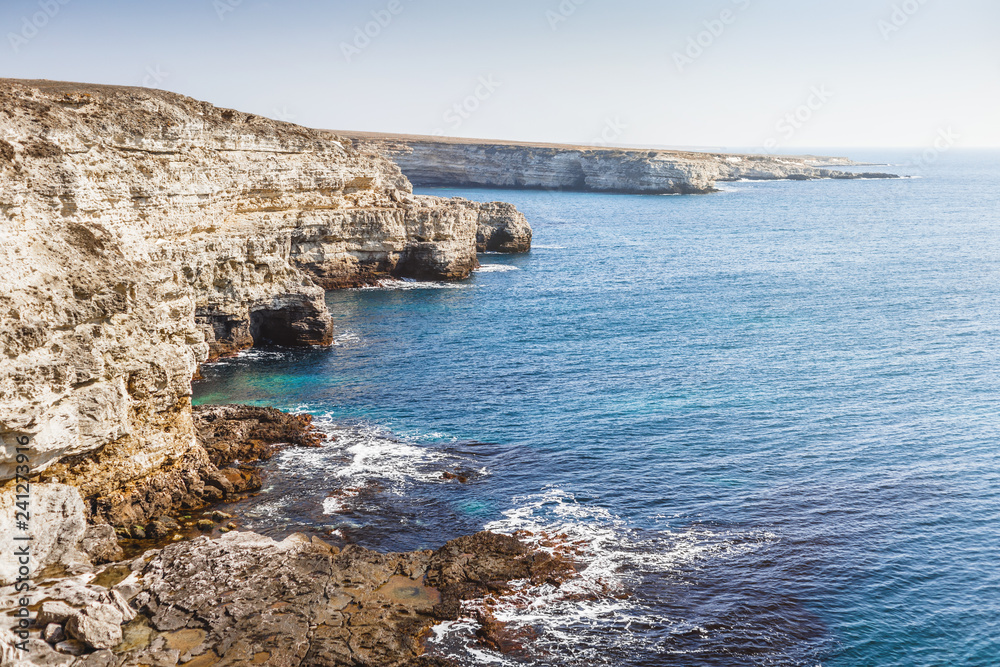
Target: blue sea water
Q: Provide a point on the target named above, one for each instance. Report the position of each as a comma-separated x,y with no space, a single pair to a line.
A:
766,418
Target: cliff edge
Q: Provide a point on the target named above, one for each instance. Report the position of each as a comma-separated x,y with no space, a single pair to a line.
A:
453,162
144,232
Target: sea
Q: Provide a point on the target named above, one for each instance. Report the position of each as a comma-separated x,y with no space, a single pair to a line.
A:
765,422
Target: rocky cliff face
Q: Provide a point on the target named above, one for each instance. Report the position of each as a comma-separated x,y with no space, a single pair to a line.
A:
143,232
433,161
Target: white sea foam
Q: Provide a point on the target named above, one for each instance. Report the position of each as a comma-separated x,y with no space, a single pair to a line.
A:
589,615
495,268
547,247
257,353
251,354
376,456
346,338
442,635
366,456
409,284
356,458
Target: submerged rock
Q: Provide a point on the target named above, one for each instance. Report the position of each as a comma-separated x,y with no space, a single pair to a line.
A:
69,647
100,543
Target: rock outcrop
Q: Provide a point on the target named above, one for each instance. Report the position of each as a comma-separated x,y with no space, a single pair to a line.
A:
451,162
246,599
143,232
230,439
59,544
81,515
502,228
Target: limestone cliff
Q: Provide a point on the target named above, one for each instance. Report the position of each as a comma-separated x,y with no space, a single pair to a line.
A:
142,232
440,161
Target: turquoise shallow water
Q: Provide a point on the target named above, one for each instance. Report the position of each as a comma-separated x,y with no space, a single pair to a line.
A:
767,416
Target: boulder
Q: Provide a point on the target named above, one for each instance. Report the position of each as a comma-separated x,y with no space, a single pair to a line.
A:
102,658
100,543
72,647
117,601
40,654
98,626
53,633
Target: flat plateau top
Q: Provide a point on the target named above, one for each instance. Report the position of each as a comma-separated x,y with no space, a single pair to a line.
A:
427,138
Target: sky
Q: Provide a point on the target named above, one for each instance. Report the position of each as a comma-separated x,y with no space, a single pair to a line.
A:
737,74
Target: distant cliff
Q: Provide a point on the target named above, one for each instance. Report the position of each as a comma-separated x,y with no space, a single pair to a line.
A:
440,161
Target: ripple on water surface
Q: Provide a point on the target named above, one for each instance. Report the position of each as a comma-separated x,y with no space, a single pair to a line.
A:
765,422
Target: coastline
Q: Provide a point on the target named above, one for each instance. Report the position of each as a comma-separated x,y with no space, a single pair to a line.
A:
177,233
158,601
429,161
172,233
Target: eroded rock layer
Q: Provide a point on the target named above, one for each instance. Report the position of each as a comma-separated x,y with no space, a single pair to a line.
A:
143,232
451,162
230,439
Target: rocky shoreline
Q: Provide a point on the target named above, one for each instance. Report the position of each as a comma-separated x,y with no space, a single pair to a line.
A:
245,599
473,163
144,233
242,598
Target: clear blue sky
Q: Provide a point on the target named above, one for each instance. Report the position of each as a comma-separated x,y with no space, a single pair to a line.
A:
555,70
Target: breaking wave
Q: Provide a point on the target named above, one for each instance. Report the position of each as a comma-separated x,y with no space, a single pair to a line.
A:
596,618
